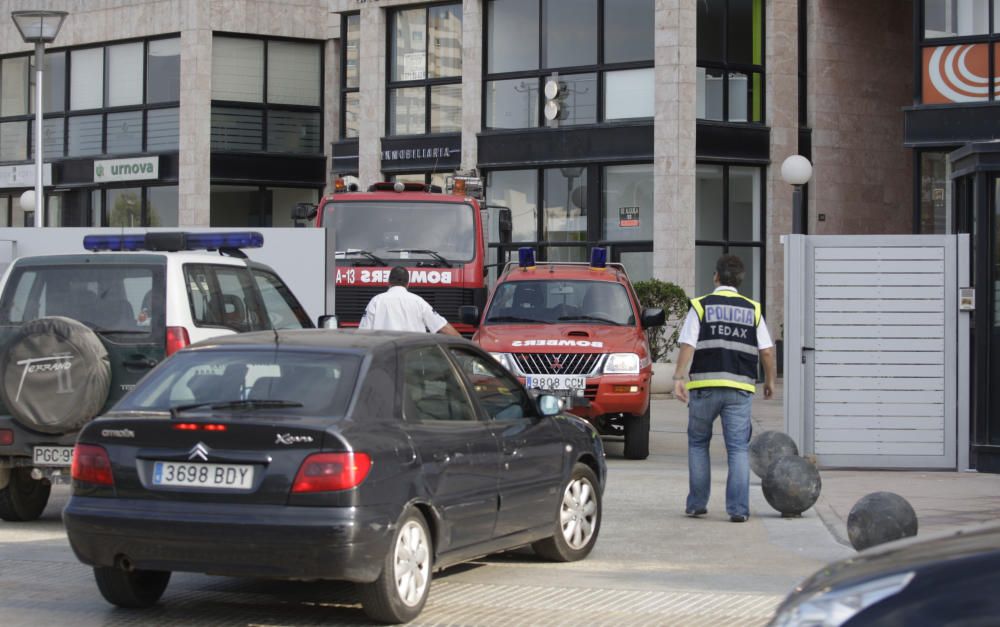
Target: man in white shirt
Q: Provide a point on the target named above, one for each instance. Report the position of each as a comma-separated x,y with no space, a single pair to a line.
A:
398,309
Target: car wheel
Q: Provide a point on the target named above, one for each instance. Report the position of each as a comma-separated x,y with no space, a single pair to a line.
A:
578,520
399,594
24,498
131,589
637,436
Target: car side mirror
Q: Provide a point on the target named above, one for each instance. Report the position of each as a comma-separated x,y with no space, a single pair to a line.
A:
652,317
548,405
327,322
468,314
303,211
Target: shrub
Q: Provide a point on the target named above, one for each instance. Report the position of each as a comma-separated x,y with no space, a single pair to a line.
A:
674,303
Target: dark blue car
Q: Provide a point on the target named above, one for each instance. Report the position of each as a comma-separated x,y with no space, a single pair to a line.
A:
375,458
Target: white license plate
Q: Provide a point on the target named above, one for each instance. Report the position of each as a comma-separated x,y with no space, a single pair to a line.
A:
218,476
52,455
555,382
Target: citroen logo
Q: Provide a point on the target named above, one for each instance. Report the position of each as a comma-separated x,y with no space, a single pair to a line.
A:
199,450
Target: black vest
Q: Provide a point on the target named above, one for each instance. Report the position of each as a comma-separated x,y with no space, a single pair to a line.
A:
726,354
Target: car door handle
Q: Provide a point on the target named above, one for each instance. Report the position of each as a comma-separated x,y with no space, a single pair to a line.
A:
140,362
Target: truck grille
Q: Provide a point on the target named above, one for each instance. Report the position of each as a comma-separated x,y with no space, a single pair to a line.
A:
351,301
558,363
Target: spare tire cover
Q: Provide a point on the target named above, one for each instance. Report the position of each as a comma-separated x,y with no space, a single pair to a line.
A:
55,375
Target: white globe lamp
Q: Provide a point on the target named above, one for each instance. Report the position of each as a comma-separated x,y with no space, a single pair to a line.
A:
796,170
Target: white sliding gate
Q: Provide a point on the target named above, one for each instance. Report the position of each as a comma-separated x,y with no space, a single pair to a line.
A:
875,349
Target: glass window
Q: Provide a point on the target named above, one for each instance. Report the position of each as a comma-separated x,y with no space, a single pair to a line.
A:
409,45
406,111
293,73
54,82
352,114
744,204
283,199
628,202
709,207
352,51
550,300
432,390
565,216
711,29
638,264
570,36
13,141
750,256
125,206
948,18
85,135
444,41
124,133
580,104
710,90
86,79
163,66
935,193
161,206
237,129
628,30
730,59
512,37
283,310
293,131
704,264
628,94
124,81
498,393
237,69
516,190
163,130
512,103
741,34
53,138
14,86
446,108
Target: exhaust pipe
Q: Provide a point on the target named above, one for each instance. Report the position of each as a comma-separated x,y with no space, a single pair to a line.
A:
122,562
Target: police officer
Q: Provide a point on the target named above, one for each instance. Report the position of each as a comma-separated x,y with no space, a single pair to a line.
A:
720,341
398,309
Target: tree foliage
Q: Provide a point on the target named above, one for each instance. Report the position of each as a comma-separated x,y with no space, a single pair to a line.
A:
674,302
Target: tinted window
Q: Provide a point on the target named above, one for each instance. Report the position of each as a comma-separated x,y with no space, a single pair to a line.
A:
432,389
283,310
513,35
711,17
588,302
498,393
570,36
163,67
223,296
628,30
321,382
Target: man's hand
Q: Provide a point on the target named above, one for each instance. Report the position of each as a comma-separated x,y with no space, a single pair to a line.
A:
768,390
680,390
770,371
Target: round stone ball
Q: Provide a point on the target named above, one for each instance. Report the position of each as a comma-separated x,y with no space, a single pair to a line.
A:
791,485
768,446
880,517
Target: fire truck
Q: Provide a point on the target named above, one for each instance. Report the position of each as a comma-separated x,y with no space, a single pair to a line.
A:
437,236
576,330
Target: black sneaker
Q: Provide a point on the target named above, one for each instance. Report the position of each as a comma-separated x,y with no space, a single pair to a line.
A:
694,513
740,518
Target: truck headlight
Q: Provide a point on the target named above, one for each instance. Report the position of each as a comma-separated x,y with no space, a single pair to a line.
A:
622,363
503,359
836,607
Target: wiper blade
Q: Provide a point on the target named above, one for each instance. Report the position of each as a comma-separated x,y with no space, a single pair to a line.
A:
363,253
516,319
591,318
240,404
424,251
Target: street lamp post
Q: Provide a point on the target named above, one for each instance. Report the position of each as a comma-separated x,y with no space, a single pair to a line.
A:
796,171
39,28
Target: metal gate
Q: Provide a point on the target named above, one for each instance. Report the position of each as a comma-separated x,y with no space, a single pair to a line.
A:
876,348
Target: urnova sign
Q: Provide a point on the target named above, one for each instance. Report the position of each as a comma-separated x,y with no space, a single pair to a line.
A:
135,169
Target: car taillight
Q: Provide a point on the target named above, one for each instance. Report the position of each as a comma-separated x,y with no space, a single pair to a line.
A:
326,472
92,465
177,338
6,437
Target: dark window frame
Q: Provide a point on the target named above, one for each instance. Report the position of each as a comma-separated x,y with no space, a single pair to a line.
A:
745,68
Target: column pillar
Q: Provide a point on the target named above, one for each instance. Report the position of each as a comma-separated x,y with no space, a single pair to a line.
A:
472,80
372,94
195,133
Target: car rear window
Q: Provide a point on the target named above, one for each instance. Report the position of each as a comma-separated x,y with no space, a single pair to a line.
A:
321,382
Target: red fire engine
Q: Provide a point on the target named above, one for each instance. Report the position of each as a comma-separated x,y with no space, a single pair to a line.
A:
438,237
576,330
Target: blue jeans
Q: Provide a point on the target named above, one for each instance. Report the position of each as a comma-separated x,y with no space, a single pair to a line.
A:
733,406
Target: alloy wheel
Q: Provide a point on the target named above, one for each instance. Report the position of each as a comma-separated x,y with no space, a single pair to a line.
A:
578,514
412,563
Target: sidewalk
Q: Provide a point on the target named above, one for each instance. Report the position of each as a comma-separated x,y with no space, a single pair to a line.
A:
944,501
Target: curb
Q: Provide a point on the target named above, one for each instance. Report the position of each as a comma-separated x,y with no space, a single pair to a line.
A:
832,521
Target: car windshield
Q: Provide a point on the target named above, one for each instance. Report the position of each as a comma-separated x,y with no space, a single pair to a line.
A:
381,227
556,302
247,380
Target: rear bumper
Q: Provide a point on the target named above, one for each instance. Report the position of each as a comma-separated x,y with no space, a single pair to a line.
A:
347,544
20,452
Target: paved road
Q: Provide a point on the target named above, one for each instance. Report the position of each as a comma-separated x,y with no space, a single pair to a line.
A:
651,566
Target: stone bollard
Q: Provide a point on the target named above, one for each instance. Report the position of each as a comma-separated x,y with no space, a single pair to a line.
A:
880,517
791,485
768,446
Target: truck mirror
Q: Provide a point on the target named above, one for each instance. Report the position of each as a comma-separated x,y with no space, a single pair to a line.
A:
304,211
468,314
327,322
652,317
505,225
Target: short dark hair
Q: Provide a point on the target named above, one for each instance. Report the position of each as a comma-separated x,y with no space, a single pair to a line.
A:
399,276
730,270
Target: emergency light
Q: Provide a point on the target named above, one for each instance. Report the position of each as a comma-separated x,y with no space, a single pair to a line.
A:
172,241
526,257
598,258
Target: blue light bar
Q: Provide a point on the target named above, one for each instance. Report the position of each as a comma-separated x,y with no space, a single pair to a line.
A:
598,258
526,257
234,239
114,242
